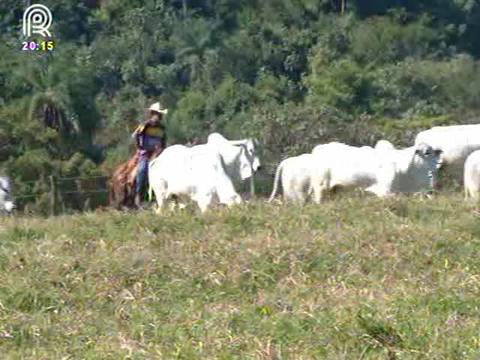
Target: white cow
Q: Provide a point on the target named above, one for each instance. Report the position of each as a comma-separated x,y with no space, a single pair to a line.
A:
295,173
198,172
456,143
471,176
382,172
230,150
6,202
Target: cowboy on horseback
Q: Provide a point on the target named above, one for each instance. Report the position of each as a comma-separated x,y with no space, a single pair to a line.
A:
150,138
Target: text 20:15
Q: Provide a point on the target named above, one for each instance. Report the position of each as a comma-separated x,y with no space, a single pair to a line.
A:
42,46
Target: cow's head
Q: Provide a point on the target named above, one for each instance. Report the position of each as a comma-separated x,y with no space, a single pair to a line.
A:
429,159
429,154
250,147
246,168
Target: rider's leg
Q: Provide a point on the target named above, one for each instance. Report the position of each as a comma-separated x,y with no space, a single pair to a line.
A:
142,173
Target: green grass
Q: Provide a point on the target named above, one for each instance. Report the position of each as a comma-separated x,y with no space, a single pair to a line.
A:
357,277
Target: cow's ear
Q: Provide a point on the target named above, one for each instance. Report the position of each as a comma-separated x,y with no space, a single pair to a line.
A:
438,152
418,152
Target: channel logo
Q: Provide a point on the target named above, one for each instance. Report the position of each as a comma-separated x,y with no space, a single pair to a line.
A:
37,19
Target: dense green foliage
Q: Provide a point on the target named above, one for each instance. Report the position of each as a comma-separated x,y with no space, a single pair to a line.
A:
357,278
291,72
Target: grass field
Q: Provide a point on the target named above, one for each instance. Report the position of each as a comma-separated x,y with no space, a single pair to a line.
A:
357,277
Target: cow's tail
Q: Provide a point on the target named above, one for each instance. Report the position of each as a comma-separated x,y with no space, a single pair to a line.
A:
275,182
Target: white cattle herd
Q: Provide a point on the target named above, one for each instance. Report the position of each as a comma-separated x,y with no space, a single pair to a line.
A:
212,172
382,170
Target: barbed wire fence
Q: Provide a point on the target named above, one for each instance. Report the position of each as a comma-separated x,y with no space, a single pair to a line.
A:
57,195
62,194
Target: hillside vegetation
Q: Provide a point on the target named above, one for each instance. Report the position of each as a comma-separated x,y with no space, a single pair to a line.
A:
357,277
293,73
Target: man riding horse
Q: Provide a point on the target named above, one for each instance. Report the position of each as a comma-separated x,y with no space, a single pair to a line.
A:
150,138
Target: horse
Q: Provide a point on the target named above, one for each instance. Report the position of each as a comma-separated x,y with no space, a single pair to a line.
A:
123,182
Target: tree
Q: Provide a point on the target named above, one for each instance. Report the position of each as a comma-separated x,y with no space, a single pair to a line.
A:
194,38
48,99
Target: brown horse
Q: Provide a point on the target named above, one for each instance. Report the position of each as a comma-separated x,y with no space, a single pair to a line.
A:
123,182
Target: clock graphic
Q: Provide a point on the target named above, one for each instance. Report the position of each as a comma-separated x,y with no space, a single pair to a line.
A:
47,45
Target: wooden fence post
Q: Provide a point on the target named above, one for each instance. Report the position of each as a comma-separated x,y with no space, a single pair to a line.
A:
78,199
53,195
252,187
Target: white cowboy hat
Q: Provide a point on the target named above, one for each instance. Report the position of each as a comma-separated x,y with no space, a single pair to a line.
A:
158,108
